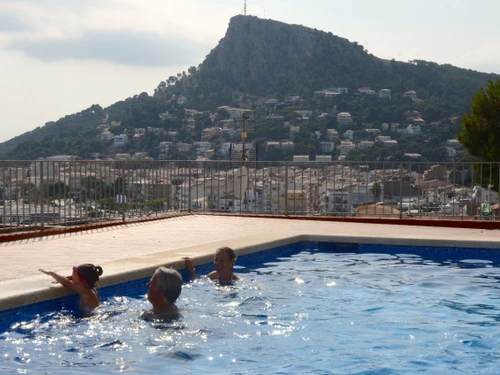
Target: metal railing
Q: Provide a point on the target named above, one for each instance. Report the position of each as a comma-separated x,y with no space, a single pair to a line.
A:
45,193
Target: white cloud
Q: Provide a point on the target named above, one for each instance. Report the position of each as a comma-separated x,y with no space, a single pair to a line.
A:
121,47
48,91
61,56
69,19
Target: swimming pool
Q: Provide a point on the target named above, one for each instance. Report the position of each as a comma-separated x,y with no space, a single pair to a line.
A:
306,308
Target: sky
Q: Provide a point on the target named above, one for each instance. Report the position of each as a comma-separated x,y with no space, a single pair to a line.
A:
58,57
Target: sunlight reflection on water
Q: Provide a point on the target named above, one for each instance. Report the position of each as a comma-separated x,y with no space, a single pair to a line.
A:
285,315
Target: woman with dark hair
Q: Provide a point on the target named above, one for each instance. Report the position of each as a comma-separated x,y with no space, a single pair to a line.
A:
224,261
82,281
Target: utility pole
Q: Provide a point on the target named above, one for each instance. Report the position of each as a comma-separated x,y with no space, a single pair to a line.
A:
245,8
245,117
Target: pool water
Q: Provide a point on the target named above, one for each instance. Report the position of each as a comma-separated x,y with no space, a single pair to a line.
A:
314,312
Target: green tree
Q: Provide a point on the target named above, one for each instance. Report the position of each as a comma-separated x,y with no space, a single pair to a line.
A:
56,190
480,133
93,187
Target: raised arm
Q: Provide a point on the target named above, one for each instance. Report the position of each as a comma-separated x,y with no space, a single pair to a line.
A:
188,263
64,281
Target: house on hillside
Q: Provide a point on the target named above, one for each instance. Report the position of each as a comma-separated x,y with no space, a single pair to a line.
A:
304,112
106,136
348,135
291,98
414,129
300,158
271,102
344,118
364,145
120,140
390,143
345,147
323,158
411,94
385,93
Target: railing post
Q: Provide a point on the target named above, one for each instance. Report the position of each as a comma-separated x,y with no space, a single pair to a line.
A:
123,191
400,190
4,219
189,187
42,192
286,190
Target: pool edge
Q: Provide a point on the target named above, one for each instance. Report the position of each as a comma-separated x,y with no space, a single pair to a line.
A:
28,291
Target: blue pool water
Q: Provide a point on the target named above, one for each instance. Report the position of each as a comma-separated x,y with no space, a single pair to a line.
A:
308,309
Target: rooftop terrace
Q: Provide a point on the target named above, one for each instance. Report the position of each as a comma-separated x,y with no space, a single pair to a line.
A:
136,249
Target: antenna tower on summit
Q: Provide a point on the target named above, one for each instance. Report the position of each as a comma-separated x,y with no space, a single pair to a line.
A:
245,8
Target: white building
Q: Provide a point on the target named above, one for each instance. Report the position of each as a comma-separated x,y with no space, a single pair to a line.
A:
203,146
411,94
450,152
120,140
345,147
390,143
106,136
294,130
304,112
413,156
234,112
225,148
291,98
385,93
332,134
366,90
287,145
272,145
372,132
348,135
165,148
454,143
344,118
300,158
323,158
414,129
363,145
382,138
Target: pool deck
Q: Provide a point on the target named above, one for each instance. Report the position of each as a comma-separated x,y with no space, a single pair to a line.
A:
135,250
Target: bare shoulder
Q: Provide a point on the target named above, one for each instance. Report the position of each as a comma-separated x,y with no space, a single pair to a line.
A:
89,298
213,275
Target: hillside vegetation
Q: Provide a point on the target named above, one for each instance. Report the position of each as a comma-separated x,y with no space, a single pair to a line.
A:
259,60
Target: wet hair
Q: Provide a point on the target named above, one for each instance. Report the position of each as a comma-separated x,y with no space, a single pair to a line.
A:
228,251
89,273
171,282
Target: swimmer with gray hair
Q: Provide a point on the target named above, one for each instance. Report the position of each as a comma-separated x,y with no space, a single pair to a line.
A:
163,290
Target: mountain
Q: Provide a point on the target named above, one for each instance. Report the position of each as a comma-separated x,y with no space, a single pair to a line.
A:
270,58
260,59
